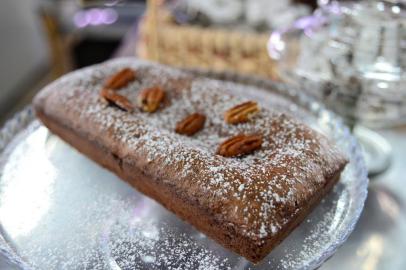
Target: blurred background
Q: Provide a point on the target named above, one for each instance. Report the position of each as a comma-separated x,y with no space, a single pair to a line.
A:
350,55
43,39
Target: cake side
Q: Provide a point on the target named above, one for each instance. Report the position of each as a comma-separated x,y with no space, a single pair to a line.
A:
255,199
185,208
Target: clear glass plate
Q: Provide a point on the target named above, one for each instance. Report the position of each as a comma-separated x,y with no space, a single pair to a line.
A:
60,210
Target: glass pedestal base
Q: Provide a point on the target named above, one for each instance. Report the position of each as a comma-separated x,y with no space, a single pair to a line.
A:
376,150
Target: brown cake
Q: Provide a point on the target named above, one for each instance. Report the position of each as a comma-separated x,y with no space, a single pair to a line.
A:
241,173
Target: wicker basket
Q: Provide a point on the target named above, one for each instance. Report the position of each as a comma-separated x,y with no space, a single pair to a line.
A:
195,47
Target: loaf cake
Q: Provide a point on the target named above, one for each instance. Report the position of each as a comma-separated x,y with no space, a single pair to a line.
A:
242,173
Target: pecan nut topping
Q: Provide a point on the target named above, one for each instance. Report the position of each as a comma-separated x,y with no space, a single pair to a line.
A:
120,79
240,145
191,124
241,113
118,100
149,99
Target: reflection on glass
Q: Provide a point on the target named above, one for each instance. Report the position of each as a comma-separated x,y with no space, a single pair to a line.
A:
371,251
24,199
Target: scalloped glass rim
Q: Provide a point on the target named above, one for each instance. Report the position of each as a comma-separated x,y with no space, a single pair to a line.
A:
325,118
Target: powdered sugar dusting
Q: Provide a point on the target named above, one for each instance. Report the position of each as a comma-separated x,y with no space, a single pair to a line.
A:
263,190
157,246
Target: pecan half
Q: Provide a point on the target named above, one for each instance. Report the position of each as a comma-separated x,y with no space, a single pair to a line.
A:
149,99
191,124
240,145
241,113
120,79
118,100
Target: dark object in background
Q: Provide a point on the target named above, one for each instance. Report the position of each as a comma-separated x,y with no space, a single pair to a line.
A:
90,51
98,43
83,33
312,3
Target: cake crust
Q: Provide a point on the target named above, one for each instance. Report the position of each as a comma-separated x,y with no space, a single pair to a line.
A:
248,204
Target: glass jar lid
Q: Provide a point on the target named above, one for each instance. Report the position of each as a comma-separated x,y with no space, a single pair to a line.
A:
350,54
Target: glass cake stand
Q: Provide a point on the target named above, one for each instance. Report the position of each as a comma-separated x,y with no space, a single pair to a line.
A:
59,210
